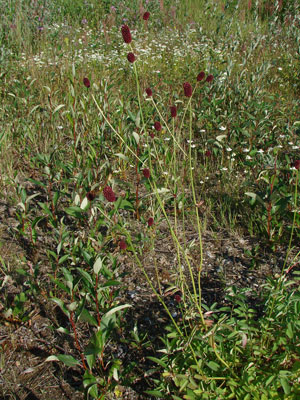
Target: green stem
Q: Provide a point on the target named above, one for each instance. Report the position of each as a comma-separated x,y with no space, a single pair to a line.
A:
197,215
113,129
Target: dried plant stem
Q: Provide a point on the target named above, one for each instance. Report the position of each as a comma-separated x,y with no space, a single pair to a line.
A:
76,336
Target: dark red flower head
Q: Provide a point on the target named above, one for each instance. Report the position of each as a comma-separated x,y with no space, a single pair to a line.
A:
152,135
157,125
91,195
86,82
296,164
122,244
126,34
173,110
208,153
209,78
146,173
109,194
177,298
150,221
149,92
131,57
146,15
188,91
200,76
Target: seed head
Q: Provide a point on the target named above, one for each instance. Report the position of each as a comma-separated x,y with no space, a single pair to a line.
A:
173,110
126,34
86,82
122,244
149,92
109,194
296,164
91,195
146,173
150,221
157,125
146,15
200,76
177,298
188,91
209,78
131,57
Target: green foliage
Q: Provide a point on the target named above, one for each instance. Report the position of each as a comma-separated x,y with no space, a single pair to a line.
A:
227,160
258,351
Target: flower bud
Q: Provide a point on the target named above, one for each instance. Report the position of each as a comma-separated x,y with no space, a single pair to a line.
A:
296,164
150,221
109,194
157,125
122,245
86,82
131,57
173,110
149,92
146,173
188,91
126,34
146,16
200,76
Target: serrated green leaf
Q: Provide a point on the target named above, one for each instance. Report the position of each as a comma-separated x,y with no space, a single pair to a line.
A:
285,385
58,108
85,275
63,259
116,309
66,359
61,306
155,393
213,365
85,316
122,156
75,211
136,137
158,361
84,203
97,266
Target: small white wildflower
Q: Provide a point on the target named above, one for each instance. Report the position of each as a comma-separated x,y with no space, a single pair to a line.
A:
279,69
248,158
224,169
228,149
222,128
59,127
246,150
260,151
295,147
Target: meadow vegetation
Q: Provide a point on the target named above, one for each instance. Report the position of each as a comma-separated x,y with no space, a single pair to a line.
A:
149,197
